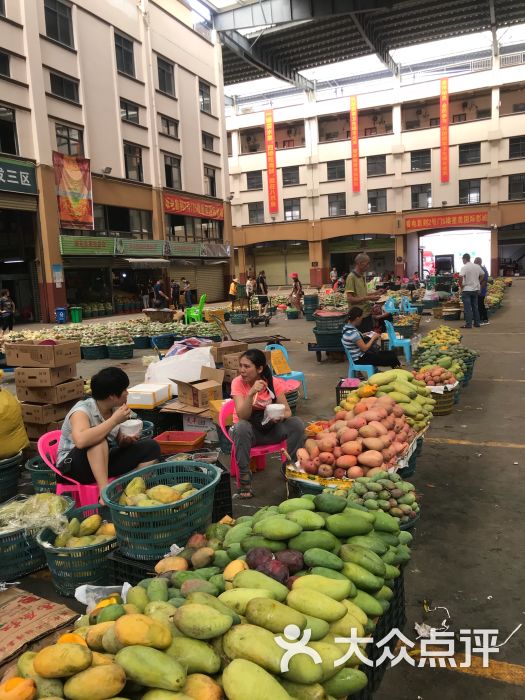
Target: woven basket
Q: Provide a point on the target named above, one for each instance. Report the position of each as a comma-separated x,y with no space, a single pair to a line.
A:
120,352
437,311
94,352
146,533
9,473
43,478
76,566
444,403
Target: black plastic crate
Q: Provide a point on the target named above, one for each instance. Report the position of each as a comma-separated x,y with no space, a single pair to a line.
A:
222,502
123,569
329,339
343,392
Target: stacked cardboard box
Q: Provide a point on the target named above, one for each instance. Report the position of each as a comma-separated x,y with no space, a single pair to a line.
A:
230,363
46,384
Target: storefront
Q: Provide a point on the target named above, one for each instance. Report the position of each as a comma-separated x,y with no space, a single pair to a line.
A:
18,236
380,248
279,259
511,250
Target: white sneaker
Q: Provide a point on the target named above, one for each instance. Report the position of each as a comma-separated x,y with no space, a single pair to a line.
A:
484,323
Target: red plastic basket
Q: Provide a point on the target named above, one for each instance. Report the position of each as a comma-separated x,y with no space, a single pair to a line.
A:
174,441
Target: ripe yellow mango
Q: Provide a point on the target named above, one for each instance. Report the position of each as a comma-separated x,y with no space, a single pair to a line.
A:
62,660
96,683
142,630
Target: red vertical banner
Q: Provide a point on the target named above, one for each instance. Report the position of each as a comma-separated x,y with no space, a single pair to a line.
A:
444,118
354,136
74,191
271,168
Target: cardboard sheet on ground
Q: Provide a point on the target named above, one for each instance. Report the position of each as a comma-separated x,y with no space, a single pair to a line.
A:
25,618
186,367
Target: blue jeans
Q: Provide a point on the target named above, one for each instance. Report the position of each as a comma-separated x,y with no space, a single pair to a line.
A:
470,307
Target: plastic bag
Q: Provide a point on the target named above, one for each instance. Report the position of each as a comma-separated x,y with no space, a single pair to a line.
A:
186,367
13,436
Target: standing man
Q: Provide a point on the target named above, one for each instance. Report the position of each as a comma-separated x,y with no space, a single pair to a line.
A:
470,277
161,298
175,293
483,315
357,291
261,289
187,293
7,310
333,275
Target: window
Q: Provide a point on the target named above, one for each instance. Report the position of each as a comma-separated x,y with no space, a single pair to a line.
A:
292,209
133,162
371,131
469,153
335,170
435,121
421,196
210,187
2,8
172,172
4,63
519,107
469,191
8,140
58,21
337,204
375,165
204,97
291,175
129,111
169,127
517,186
412,124
420,160
376,201
124,54
166,76
517,147
207,141
254,180
457,118
70,140
256,212
122,222
484,113
64,87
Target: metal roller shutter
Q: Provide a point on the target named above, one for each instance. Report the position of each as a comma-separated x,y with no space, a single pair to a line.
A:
210,281
22,202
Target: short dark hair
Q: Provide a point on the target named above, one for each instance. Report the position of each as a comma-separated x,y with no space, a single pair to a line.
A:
4,291
355,312
466,256
110,381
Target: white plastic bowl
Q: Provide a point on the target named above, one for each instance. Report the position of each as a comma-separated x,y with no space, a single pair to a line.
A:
131,427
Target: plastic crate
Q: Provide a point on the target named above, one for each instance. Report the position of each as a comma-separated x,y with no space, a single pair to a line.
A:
222,501
120,352
9,473
163,342
174,441
238,318
20,553
73,567
122,569
332,322
342,392
146,533
43,478
405,331
148,430
141,342
292,314
295,488
94,352
329,339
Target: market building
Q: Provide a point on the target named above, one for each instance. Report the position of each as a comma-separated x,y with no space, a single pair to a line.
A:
377,162
139,123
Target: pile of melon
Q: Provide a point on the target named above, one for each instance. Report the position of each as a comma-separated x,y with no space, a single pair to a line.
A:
366,440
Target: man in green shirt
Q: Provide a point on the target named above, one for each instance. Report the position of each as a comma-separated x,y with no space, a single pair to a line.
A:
357,292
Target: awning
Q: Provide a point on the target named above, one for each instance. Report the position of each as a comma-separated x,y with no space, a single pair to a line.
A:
147,263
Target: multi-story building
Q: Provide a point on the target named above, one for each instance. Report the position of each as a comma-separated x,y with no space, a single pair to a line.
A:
136,88
405,183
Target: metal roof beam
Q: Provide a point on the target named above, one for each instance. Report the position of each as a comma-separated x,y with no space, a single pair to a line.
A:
277,12
493,28
373,39
267,62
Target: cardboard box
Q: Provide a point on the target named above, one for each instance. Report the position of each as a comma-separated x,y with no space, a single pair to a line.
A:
230,374
28,354
45,413
220,350
147,396
215,409
200,392
176,406
68,391
44,376
36,430
231,360
198,424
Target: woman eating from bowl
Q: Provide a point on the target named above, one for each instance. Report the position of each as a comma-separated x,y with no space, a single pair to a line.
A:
84,452
252,391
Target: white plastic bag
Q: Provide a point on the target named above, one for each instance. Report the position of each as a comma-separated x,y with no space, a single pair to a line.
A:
186,367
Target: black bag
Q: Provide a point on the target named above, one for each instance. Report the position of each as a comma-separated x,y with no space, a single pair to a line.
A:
256,420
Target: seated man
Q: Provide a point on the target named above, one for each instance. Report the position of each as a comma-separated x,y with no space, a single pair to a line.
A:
363,350
84,452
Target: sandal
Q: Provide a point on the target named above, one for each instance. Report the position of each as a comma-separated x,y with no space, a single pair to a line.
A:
244,492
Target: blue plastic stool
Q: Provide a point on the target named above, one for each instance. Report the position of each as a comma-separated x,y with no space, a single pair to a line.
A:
394,342
61,314
390,307
406,306
299,376
353,368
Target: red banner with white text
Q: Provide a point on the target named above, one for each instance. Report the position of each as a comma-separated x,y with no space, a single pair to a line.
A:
443,126
271,164
354,136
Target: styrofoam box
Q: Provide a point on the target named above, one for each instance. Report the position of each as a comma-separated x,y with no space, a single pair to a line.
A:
148,395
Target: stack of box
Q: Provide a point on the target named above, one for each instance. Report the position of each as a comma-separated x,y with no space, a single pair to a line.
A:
46,384
230,363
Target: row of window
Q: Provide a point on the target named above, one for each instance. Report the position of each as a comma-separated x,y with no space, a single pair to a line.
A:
469,153
421,198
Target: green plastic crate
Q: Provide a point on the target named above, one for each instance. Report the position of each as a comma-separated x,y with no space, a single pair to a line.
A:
120,352
94,352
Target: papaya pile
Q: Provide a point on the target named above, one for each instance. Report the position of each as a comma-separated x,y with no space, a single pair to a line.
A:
92,530
435,375
205,629
138,494
411,394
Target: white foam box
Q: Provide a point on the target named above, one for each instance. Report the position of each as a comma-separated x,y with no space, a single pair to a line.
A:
148,395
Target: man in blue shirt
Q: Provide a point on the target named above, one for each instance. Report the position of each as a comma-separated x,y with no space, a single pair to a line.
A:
484,283
362,350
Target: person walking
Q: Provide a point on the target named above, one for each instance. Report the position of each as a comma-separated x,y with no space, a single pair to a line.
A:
483,314
470,277
296,294
187,293
261,289
250,287
357,291
232,292
175,293
144,293
161,298
363,350
7,310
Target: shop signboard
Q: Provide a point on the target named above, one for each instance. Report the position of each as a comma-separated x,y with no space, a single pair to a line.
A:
86,245
193,206
139,248
470,219
271,162
354,136
17,176
215,250
182,250
444,129
347,245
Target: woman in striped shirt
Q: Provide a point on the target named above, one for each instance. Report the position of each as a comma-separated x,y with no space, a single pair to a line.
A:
361,350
